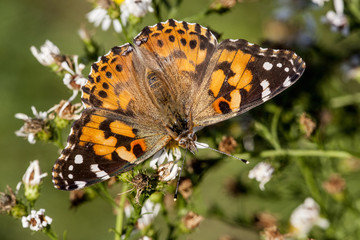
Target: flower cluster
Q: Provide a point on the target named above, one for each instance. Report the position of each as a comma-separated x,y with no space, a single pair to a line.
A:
262,172
36,220
305,217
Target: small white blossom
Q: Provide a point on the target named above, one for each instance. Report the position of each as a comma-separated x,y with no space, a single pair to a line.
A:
32,125
305,217
262,172
36,220
33,175
137,8
165,153
46,54
168,171
148,213
337,19
320,3
99,16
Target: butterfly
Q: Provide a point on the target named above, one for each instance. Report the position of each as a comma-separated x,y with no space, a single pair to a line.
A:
173,79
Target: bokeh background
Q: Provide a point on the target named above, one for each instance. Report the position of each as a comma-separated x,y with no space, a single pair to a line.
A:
226,196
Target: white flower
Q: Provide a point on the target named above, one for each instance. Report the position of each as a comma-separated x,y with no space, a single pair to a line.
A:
74,78
31,180
46,54
36,220
137,8
148,213
33,175
262,172
337,19
99,16
165,153
305,217
32,125
320,3
168,171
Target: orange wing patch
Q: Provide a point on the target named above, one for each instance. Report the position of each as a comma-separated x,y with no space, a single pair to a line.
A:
108,80
181,44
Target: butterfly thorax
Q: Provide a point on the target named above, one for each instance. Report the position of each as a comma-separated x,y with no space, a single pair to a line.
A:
181,131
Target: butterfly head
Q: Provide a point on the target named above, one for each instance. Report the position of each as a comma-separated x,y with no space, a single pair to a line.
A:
187,140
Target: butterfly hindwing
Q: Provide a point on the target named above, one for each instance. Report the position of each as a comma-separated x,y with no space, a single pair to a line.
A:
101,145
242,75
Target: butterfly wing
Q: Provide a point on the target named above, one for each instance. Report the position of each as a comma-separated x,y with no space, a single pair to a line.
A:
111,136
176,55
240,76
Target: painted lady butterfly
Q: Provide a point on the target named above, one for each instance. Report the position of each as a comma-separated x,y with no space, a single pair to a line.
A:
173,79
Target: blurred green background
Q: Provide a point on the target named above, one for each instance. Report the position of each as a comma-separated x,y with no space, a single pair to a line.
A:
26,83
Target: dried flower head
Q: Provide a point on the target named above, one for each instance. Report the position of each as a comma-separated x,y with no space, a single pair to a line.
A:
307,124
192,220
262,172
7,200
140,182
185,188
305,217
67,111
335,184
32,126
272,233
265,220
227,144
36,220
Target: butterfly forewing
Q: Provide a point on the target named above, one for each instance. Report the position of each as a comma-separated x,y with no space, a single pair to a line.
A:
241,76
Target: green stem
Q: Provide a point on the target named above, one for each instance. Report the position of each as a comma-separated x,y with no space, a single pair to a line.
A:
310,182
346,100
125,32
50,233
274,128
266,134
104,194
120,213
305,153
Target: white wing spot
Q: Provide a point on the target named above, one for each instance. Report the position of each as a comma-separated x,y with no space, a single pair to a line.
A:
287,82
99,173
79,159
70,176
265,95
267,66
94,168
279,65
80,184
71,167
286,69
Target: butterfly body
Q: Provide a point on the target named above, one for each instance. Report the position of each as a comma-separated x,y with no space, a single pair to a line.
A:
174,79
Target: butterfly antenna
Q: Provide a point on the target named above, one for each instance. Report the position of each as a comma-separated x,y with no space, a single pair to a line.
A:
178,181
227,154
